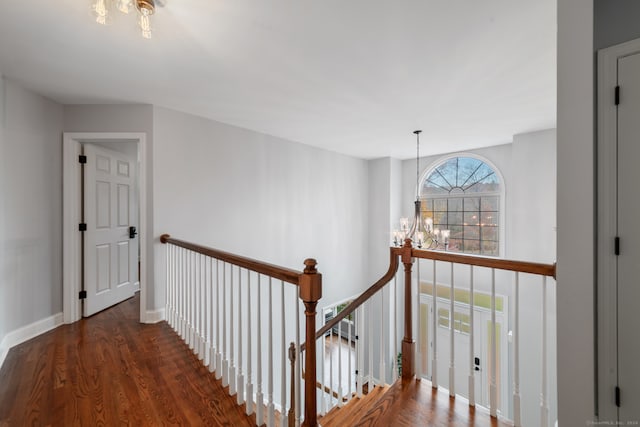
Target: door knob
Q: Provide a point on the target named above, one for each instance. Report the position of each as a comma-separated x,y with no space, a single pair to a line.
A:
132,232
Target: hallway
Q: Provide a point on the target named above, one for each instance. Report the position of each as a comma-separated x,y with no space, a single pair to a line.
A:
111,370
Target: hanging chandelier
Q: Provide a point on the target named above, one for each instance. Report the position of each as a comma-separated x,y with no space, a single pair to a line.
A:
103,11
422,233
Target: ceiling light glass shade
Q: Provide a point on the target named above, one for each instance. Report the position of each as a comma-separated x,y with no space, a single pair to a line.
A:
125,6
102,11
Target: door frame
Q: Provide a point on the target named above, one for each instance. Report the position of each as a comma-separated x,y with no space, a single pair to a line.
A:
606,202
71,209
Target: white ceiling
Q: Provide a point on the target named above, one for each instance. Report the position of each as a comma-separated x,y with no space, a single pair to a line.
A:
353,76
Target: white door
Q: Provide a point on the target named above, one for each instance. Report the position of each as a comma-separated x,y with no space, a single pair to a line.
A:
629,231
110,252
461,343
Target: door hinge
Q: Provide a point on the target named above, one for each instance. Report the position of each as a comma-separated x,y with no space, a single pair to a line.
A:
82,295
616,245
617,95
82,227
617,396
82,159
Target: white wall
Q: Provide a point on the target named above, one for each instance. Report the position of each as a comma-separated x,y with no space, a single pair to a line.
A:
122,118
262,197
30,209
575,273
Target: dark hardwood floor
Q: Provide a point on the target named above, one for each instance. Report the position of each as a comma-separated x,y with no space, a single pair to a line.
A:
110,370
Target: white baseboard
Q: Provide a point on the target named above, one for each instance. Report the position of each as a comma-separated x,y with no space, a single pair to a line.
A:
27,332
154,316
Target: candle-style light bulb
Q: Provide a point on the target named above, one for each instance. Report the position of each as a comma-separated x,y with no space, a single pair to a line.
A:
404,224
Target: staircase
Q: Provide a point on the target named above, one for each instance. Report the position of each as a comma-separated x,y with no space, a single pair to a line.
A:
354,410
408,403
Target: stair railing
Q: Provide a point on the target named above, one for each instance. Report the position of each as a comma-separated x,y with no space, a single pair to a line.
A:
197,303
214,301
376,317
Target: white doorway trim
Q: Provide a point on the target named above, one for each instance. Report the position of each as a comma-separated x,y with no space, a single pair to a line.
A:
607,202
71,210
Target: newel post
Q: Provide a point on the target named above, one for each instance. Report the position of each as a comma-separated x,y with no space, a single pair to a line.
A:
310,294
408,343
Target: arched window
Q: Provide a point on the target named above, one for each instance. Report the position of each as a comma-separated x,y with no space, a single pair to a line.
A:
462,195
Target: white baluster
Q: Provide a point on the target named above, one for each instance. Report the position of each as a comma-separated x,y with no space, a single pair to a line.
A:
225,353
211,310
192,320
383,367
283,360
219,369
240,379
168,285
271,409
395,328
493,390
187,312
359,349
203,309
370,318
172,285
249,400
331,369
298,364
197,308
232,333
185,296
323,379
181,291
259,395
517,421
544,404
434,335
206,309
472,367
350,376
340,403
452,333
418,333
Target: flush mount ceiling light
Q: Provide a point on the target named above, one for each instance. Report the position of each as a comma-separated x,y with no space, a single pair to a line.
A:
103,11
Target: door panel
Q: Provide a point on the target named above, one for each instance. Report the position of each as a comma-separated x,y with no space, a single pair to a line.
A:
629,231
110,255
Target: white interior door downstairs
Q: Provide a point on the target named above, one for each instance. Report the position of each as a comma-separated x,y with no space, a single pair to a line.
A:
110,245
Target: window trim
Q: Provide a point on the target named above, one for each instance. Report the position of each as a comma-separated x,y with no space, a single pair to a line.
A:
431,167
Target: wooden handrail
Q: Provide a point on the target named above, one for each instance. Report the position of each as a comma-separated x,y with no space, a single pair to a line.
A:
481,261
277,272
393,267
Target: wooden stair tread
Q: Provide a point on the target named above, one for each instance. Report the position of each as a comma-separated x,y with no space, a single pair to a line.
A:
413,402
355,408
